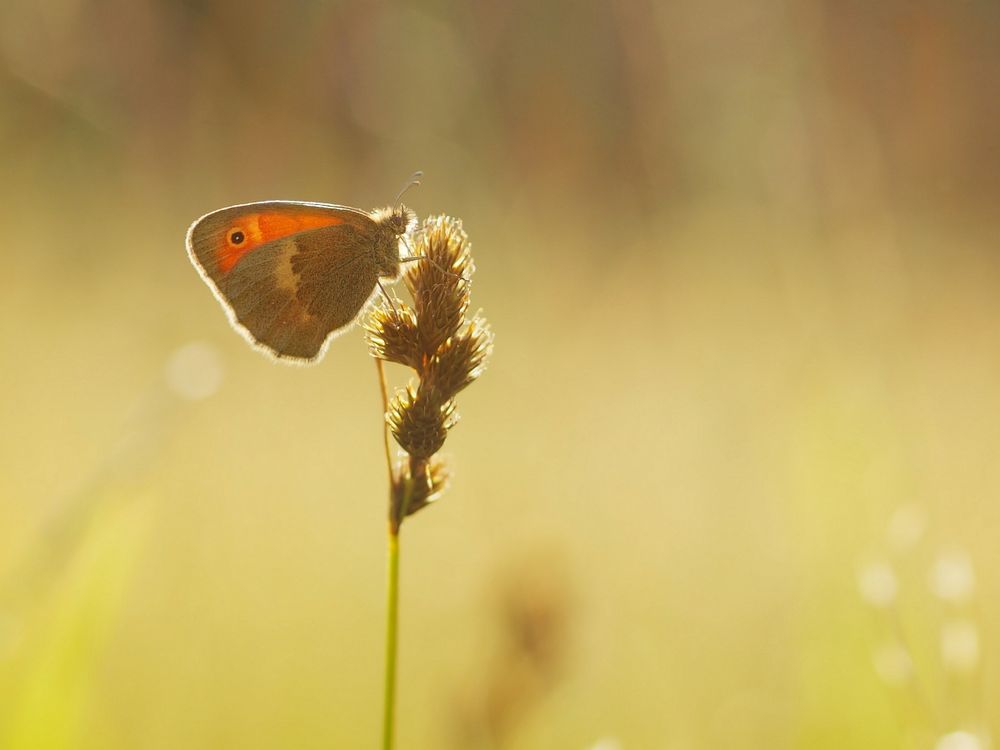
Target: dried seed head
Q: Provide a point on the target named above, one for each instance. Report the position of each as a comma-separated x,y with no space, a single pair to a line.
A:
428,484
420,422
459,361
445,349
440,283
392,334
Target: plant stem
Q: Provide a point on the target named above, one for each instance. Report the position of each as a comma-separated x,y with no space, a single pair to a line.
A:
391,635
392,587
384,390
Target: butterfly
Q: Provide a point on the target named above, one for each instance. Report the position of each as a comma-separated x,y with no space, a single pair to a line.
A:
291,275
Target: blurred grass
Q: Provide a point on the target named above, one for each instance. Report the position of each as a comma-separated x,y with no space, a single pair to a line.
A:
742,267
62,639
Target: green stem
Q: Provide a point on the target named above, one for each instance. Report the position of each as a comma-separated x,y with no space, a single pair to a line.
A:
391,636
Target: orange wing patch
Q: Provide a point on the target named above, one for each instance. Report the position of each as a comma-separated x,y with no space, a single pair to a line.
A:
253,230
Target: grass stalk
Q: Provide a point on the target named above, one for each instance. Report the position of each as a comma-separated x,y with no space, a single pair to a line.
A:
446,351
391,639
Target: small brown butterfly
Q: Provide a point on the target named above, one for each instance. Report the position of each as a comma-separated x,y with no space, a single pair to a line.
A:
292,275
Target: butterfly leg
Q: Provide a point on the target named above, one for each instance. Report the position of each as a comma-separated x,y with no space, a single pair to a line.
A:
387,297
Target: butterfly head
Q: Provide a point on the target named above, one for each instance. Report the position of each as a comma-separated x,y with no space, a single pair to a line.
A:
392,224
398,219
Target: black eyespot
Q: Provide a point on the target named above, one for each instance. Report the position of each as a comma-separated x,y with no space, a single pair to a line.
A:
237,237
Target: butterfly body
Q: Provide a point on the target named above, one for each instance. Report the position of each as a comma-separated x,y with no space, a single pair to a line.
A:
293,275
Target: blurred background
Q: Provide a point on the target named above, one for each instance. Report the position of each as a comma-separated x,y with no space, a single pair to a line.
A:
729,482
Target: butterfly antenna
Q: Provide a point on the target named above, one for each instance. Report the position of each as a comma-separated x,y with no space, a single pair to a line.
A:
412,182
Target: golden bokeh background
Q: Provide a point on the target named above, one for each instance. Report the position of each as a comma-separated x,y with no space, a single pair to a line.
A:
730,480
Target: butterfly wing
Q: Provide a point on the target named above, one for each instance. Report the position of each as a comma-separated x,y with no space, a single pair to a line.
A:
298,274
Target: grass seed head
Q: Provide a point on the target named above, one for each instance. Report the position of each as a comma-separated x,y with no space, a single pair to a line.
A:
420,422
440,283
391,330
446,350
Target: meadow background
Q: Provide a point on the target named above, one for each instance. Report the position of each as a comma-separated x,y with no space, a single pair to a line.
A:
730,481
